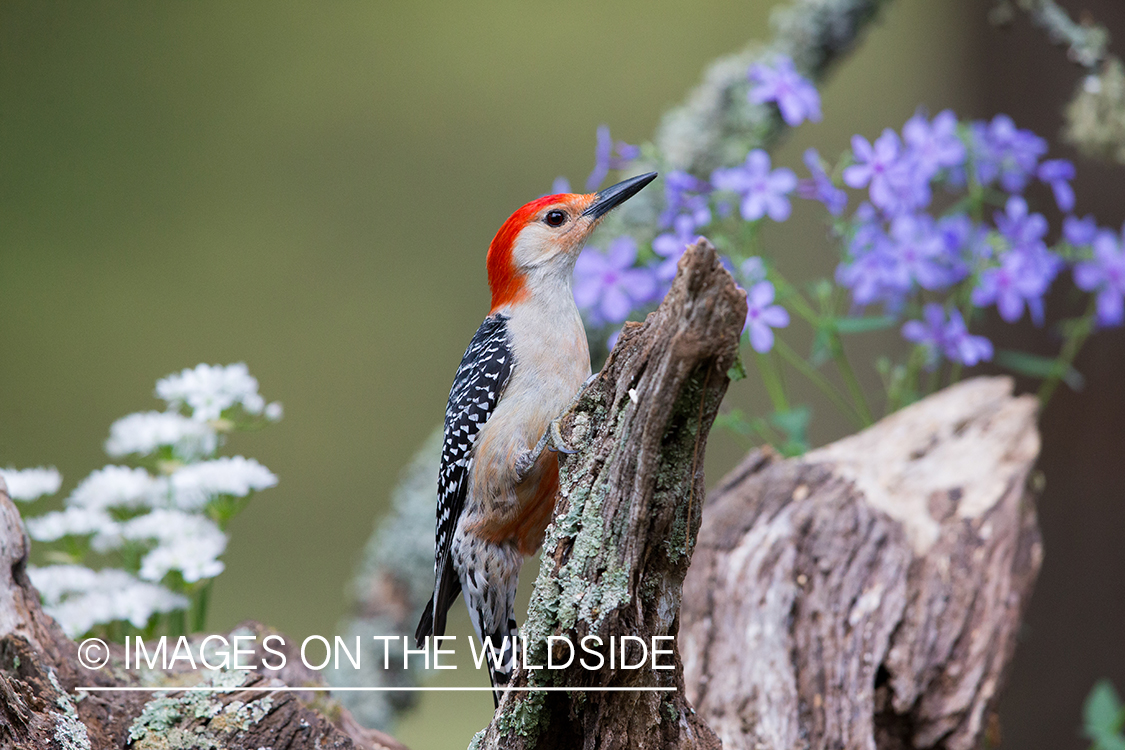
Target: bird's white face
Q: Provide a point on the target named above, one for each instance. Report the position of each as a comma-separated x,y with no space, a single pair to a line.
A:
554,235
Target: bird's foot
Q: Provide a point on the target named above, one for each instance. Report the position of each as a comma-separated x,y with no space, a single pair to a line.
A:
552,439
557,443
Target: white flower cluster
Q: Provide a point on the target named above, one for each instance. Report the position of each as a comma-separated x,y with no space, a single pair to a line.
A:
191,487
146,432
209,390
165,516
186,541
80,598
28,484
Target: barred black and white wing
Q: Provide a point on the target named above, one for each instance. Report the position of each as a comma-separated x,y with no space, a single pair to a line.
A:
480,380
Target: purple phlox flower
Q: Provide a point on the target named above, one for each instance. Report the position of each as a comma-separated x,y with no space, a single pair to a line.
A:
951,339
935,145
685,193
796,97
1080,231
820,187
1058,173
1023,277
1003,151
606,285
872,160
922,251
559,186
762,316
752,271
872,272
604,159
1019,227
763,191
1105,274
894,183
907,189
671,245
965,242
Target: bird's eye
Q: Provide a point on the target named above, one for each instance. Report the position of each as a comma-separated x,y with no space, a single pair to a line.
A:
555,218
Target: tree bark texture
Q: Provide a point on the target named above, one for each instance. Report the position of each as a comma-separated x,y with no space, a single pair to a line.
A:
40,708
868,594
624,526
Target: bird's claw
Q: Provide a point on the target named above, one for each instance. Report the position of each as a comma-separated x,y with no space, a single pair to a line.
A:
552,440
557,444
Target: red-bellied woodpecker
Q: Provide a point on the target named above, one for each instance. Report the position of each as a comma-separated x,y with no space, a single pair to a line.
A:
527,361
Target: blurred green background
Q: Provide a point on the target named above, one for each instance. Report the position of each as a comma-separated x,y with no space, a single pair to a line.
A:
311,188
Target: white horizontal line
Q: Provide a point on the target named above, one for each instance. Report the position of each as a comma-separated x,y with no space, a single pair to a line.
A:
375,689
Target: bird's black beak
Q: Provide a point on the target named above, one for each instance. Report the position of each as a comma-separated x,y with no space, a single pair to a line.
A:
614,195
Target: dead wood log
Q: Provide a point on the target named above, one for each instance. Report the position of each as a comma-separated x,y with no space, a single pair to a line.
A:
40,708
868,594
624,526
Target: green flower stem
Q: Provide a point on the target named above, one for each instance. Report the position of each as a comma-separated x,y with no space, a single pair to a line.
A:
200,605
797,302
177,623
794,299
1075,338
772,380
822,383
850,380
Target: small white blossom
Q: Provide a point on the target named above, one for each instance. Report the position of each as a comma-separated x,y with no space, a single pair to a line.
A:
274,411
194,557
210,389
74,521
192,486
186,542
80,598
145,432
113,487
28,484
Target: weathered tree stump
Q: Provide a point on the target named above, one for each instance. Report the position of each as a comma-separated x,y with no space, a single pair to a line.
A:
624,527
868,594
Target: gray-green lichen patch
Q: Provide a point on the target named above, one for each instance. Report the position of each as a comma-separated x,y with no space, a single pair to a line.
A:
526,719
158,716
239,716
1096,116
70,732
158,727
478,738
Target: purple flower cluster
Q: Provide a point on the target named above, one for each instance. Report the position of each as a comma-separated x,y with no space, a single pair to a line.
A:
950,337
608,286
917,252
1026,267
1003,153
900,252
795,96
898,171
762,190
895,248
